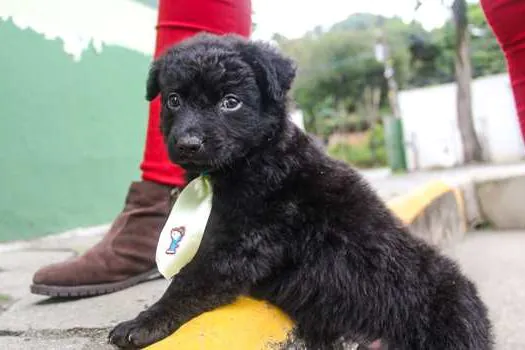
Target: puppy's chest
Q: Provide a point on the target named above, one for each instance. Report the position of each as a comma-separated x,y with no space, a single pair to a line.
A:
233,223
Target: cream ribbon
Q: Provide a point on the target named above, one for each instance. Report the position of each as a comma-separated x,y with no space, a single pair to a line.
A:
182,234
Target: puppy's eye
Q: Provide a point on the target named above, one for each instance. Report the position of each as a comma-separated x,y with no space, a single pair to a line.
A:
173,101
230,103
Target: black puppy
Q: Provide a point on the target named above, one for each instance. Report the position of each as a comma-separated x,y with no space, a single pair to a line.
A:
289,224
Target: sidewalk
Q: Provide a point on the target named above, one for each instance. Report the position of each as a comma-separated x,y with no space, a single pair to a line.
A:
495,260
36,322
389,186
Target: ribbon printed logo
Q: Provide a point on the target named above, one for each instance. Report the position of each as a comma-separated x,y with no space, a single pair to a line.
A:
177,234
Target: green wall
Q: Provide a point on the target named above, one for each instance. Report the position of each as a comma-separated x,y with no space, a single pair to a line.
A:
71,133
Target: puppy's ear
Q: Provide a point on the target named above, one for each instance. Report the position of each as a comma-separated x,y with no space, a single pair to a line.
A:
152,85
274,72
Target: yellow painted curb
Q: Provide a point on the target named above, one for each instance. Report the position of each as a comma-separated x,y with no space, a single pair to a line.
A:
461,207
409,206
249,324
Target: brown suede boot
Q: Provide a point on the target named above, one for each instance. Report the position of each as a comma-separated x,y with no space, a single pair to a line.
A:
123,258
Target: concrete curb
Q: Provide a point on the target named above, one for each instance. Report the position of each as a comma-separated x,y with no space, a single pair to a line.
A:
436,211
501,202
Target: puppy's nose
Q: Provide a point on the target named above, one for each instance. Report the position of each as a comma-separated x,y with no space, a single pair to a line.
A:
189,145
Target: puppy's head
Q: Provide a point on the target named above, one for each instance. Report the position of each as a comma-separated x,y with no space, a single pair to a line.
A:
222,97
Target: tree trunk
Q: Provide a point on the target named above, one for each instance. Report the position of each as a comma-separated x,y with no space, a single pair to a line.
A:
472,151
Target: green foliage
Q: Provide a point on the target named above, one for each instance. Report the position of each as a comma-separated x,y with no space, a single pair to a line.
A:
338,69
377,136
487,57
369,154
358,155
336,65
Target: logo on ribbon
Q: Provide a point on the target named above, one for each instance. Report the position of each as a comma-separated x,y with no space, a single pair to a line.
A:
176,234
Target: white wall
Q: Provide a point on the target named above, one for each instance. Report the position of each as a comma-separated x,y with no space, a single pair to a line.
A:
81,23
431,134
496,119
298,118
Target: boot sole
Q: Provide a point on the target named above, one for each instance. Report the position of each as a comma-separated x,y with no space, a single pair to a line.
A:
93,289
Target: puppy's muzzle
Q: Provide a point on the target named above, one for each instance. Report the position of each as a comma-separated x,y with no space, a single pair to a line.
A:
187,147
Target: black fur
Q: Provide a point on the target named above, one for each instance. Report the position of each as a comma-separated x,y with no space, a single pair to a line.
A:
291,225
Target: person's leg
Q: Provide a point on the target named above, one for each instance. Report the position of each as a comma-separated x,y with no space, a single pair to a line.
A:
507,19
126,254
180,19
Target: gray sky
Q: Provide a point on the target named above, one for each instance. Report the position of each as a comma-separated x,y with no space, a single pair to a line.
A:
292,18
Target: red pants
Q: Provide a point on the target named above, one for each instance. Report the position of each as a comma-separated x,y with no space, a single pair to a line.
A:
177,20
507,19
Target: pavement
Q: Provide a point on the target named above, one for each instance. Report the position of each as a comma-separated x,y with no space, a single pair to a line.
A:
494,260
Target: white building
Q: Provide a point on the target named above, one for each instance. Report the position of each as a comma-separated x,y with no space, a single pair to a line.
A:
432,138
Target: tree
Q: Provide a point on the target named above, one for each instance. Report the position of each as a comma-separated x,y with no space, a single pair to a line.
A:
433,53
340,84
337,71
472,151
487,57
471,146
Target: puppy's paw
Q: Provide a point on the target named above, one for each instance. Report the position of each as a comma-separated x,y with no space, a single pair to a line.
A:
140,332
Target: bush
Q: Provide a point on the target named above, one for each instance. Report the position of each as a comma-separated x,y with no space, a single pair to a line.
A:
369,154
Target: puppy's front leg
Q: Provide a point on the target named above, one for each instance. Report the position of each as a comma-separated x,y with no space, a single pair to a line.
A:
207,282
